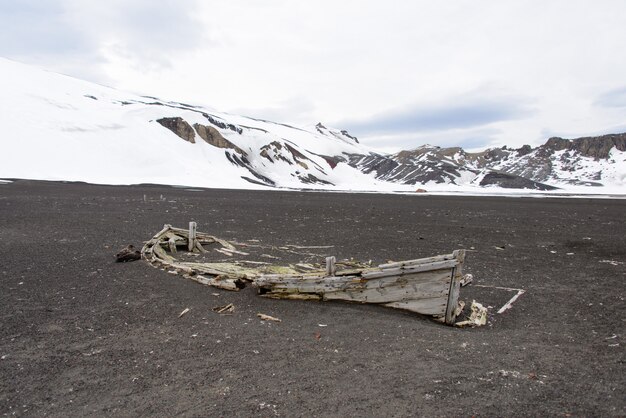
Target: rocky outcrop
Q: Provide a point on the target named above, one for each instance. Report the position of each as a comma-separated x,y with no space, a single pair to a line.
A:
277,151
595,147
221,124
404,169
272,152
524,150
180,127
311,179
511,181
342,135
212,136
332,161
297,156
345,133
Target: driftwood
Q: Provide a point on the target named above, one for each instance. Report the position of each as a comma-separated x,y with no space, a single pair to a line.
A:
427,286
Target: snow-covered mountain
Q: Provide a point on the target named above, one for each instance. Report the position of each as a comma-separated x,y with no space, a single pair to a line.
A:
55,127
558,164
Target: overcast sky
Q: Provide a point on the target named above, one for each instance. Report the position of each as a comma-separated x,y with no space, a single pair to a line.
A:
397,74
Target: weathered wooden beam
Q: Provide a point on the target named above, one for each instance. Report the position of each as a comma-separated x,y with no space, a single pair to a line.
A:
192,236
426,260
455,287
220,283
434,306
413,268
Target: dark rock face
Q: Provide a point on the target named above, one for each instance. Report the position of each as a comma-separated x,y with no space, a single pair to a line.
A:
342,135
595,147
354,138
524,150
311,179
274,148
297,156
221,124
242,161
403,169
180,127
213,137
319,127
283,151
377,163
511,181
333,161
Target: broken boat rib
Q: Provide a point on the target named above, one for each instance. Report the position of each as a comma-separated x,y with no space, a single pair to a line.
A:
427,286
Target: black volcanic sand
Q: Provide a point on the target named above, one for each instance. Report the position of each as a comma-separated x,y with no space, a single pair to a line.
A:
84,336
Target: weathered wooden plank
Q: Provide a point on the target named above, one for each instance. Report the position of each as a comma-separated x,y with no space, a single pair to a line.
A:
437,265
199,247
426,260
455,286
166,228
292,296
160,253
227,284
357,289
409,291
283,280
437,276
209,269
223,251
434,306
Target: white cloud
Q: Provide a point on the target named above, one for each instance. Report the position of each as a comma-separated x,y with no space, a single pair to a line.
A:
352,60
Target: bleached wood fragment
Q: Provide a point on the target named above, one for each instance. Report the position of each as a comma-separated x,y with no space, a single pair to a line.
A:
268,317
172,244
230,308
509,304
224,251
330,266
220,283
478,317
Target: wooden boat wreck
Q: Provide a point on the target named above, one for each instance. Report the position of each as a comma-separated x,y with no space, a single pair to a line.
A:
428,286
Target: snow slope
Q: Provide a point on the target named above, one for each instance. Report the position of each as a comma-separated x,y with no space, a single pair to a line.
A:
59,128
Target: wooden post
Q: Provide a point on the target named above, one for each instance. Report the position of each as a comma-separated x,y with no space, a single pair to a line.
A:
192,236
330,266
